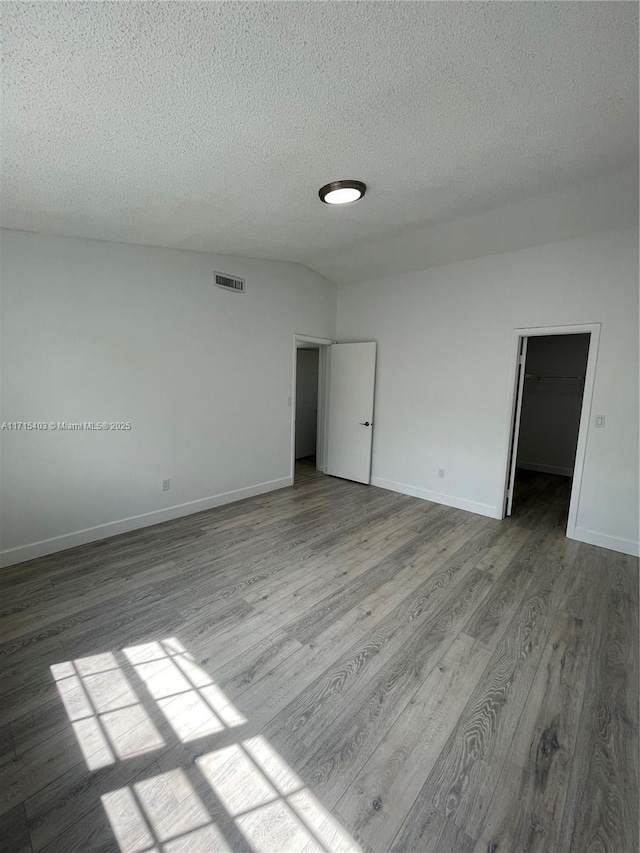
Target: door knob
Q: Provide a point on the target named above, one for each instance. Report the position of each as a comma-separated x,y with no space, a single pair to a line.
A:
365,423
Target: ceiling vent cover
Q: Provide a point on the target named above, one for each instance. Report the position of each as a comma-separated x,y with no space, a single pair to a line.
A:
228,282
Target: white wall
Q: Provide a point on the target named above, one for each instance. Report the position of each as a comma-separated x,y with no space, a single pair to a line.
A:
103,331
306,403
601,204
551,406
445,353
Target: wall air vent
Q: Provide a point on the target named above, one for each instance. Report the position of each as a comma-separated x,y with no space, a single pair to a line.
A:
229,282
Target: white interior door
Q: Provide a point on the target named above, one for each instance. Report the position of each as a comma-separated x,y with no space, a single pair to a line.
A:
516,423
350,422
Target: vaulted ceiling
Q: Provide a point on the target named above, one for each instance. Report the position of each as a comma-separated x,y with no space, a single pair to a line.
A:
211,126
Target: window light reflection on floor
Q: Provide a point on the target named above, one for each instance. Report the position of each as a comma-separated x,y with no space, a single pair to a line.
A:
118,702
106,711
106,714
187,695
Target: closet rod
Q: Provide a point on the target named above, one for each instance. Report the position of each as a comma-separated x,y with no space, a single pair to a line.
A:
535,376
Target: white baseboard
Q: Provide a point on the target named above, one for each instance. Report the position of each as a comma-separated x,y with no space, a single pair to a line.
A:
546,469
613,543
20,554
438,497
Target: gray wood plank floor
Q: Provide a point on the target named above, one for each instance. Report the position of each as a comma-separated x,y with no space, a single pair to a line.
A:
330,667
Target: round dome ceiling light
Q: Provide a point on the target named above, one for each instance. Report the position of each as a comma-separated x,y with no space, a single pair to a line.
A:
342,192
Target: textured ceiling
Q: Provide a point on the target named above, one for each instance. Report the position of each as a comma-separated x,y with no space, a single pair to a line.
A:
211,126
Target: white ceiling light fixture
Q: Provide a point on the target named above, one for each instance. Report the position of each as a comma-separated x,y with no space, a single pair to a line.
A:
342,192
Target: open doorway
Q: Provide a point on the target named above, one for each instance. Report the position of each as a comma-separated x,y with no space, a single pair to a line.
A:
555,373
308,406
333,385
306,413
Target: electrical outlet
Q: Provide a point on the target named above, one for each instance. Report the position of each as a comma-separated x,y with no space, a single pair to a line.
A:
441,473
600,421
288,401
166,485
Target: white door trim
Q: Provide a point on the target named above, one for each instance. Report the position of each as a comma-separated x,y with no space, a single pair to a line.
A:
585,414
323,345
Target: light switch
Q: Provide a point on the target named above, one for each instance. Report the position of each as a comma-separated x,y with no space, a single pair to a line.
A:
599,421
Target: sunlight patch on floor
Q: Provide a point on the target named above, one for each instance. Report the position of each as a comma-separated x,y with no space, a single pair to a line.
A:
116,702
147,817
108,713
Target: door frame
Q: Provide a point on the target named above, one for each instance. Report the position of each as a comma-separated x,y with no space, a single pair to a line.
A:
323,345
585,414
